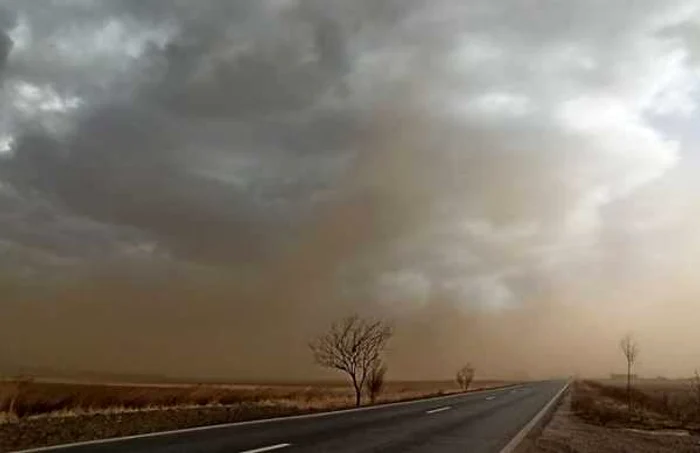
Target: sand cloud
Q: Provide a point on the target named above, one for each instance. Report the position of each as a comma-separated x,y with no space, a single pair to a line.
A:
492,155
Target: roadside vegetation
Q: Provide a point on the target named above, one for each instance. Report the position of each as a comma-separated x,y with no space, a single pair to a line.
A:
625,413
45,398
355,347
594,418
656,404
375,381
465,376
630,349
651,404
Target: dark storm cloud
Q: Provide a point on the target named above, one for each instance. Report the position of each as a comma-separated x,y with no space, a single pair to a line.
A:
282,156
5,47
225,140
7,22
196,102
113,170
226,129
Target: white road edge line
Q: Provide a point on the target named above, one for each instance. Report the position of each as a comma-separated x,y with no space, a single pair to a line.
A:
439,409
263,421
270,448
517,440
489,398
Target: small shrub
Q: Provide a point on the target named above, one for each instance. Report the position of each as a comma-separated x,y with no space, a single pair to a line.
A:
465,375
375,381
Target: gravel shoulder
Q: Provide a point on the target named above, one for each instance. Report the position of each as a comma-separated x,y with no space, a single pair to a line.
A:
567,433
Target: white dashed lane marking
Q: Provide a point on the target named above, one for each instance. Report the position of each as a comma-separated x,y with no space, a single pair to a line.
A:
439,409
270,448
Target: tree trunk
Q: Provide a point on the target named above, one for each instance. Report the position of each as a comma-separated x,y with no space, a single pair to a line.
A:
629,386
358,392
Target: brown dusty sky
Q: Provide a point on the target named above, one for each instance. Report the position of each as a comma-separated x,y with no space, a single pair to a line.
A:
197,189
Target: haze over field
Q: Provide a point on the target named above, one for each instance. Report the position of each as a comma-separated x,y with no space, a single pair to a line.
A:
197,188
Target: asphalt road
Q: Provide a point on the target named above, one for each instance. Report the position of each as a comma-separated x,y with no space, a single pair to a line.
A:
479,422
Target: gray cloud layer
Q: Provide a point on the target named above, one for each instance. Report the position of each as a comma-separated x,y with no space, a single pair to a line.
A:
489,152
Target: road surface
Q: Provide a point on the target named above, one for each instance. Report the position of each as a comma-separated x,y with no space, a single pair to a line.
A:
479,422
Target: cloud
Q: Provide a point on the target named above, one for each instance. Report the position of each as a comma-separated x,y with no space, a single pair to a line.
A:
244,127
481,152
5,47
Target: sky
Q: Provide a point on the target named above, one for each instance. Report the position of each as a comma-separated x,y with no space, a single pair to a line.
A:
198,188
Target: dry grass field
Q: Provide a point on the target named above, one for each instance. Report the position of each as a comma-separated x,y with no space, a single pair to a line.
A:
656,404
20,399
46,413
594,418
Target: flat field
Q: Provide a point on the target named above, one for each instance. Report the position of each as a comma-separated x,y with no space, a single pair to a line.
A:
39,413
656,403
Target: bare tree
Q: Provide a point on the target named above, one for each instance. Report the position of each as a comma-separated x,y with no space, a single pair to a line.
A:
375,380
465,375
353,346
631,350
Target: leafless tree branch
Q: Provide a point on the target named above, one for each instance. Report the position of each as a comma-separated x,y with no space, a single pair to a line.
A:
354,346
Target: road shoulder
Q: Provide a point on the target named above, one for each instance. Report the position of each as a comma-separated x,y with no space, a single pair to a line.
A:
566,433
